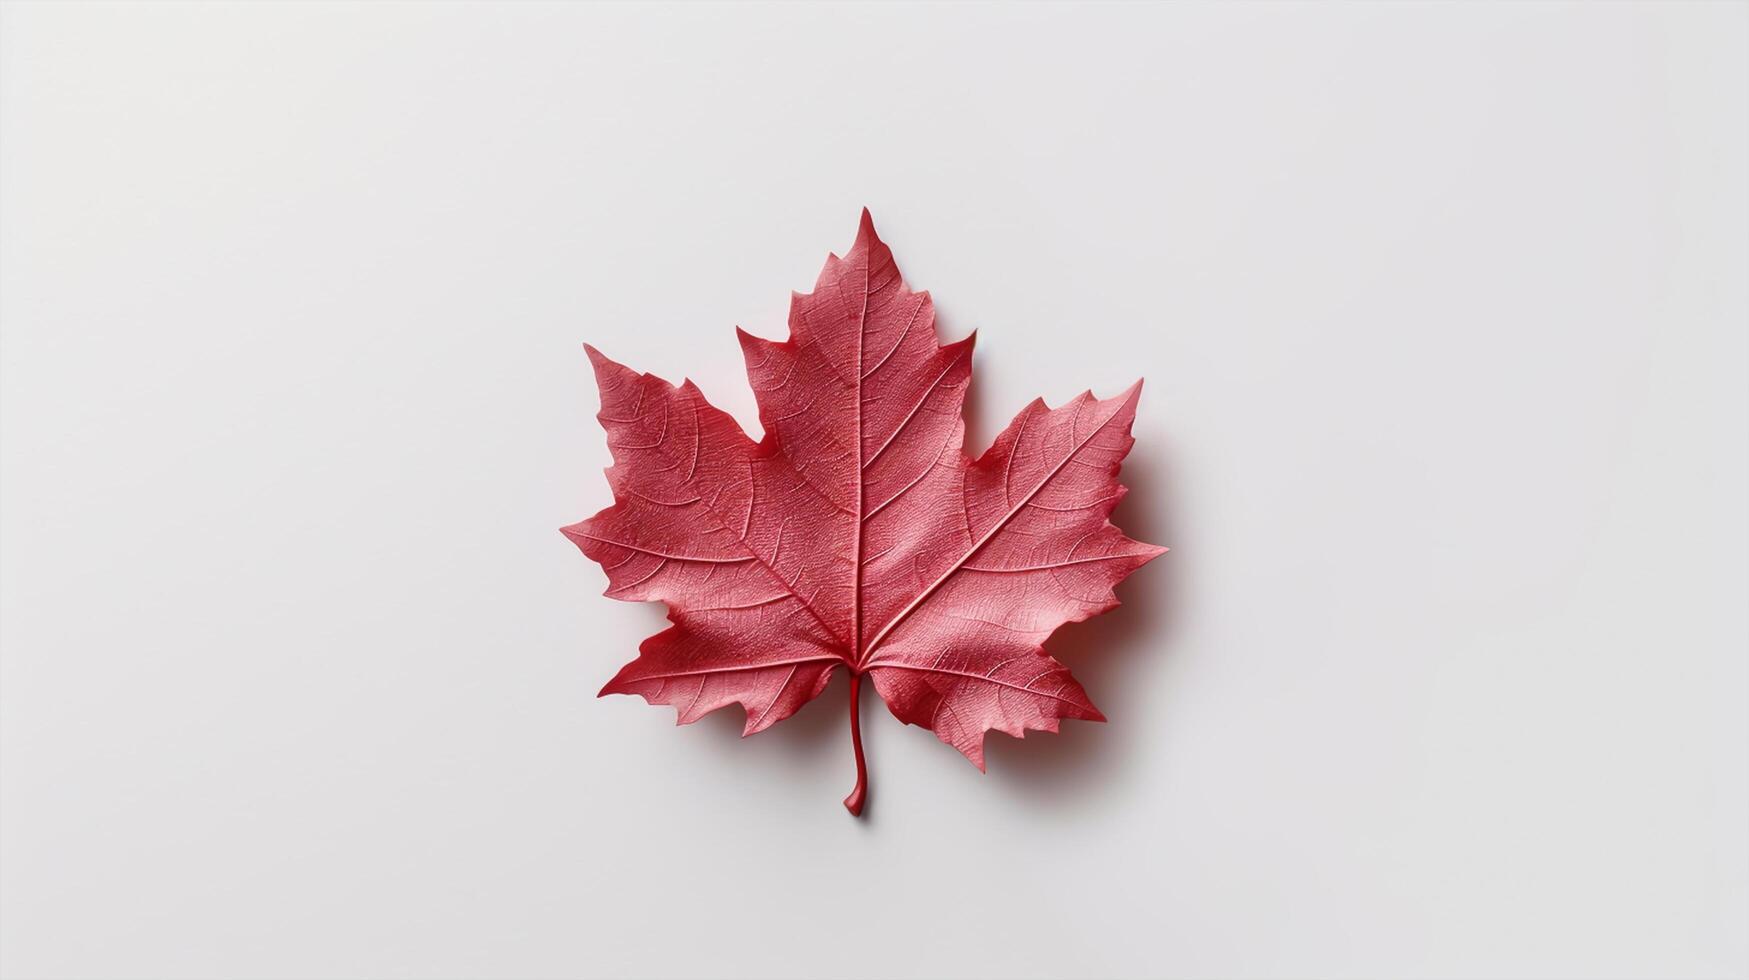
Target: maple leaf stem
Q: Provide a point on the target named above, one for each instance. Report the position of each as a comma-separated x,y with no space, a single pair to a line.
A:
853,802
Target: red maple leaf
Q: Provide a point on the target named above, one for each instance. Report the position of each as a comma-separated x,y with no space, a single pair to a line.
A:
857,533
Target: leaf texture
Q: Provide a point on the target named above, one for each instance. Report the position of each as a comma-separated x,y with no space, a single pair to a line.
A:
858,533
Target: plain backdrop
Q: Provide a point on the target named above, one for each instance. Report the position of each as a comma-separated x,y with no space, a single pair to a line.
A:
1444,316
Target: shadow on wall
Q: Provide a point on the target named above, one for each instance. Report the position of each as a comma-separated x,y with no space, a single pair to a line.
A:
1119,657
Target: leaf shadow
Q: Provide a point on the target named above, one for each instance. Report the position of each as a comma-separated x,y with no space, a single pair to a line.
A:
1118,656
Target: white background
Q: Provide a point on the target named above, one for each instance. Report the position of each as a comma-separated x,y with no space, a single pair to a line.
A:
1443,315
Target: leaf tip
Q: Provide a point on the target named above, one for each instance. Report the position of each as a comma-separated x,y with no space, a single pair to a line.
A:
604,366
574,533
751,724
865,232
